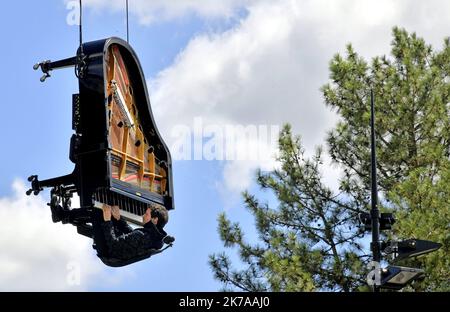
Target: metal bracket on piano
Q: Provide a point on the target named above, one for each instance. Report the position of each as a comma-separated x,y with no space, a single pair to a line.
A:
63,194
124,214
120,101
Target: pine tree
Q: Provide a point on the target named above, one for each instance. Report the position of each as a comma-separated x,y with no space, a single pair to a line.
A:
311,240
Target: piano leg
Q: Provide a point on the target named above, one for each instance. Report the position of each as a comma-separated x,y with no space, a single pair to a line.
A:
37,186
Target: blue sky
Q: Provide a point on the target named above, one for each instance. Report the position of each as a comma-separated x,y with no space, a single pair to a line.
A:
238,62
38,130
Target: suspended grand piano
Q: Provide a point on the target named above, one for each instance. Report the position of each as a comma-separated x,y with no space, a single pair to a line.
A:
119,155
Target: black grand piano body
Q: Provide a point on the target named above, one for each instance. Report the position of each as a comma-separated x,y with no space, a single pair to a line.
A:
93,155
100,167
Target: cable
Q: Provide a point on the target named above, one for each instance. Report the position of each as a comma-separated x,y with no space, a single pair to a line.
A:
80,66
81,27
128,32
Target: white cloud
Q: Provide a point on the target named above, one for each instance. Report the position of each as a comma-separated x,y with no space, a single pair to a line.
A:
38,255
240,173
150,11
269,67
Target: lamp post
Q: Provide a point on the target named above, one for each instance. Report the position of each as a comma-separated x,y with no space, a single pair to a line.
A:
374,212
391,277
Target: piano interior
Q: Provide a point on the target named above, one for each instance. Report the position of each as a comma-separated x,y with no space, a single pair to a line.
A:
133,158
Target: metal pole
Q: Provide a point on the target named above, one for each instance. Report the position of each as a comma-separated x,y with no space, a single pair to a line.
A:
374,212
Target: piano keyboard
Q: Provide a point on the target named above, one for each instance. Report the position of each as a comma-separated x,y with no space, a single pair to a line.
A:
130,209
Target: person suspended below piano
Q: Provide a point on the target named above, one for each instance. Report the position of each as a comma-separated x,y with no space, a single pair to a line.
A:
118,244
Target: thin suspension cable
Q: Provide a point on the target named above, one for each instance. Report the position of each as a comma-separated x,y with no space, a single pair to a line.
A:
81,28
128,31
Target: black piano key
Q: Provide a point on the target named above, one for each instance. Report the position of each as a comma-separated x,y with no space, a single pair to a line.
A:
107,197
